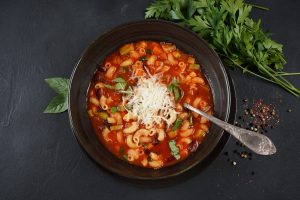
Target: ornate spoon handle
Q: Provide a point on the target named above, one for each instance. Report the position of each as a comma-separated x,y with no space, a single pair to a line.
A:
258,143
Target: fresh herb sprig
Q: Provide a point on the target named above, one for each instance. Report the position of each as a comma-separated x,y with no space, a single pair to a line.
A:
237,38
59,103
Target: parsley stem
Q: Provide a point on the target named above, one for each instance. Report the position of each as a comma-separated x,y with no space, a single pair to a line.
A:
249,71
258,7
287,74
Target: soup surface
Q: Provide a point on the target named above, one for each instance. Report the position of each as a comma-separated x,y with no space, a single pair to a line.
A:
135,104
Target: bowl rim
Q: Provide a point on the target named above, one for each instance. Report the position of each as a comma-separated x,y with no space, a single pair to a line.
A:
119,27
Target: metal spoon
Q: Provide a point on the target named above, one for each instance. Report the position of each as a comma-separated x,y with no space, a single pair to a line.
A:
258,143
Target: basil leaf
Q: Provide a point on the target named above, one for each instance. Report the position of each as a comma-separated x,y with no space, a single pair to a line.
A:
58,84
113,109
174,149
177,124
170,88
177,93
119,80
120,86
58,104
109,86
174,88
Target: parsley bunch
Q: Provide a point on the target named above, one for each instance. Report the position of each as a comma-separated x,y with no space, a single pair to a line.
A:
226,25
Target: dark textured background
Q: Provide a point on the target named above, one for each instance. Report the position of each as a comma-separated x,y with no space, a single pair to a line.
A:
39,156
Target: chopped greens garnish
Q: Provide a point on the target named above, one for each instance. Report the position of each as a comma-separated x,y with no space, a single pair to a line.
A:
177,93
148,51
143,59
123,153
109,86
113,109
177,124
119,80
120,86
174,149
174,88
128,91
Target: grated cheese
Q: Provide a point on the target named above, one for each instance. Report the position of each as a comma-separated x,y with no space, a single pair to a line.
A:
150,102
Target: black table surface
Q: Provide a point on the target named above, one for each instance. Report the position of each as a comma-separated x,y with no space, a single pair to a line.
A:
41,159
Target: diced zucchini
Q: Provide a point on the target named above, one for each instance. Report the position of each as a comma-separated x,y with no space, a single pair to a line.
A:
116,127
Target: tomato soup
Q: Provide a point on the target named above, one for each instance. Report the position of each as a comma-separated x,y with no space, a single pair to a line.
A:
135,104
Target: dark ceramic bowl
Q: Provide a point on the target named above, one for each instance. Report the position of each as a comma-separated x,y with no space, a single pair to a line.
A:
184,39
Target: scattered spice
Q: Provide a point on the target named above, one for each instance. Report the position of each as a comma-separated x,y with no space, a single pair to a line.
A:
258,116
255,116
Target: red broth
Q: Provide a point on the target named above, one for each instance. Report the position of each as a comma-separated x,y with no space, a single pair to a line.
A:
122,132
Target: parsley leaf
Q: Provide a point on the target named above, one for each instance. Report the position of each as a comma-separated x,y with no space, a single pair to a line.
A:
238,39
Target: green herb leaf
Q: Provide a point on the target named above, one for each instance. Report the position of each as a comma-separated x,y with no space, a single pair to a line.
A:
109,86
59,103
177,124
113,109
177,93
174,88
58,84
123,153
120,86
174,149
143,59
119,80
148,51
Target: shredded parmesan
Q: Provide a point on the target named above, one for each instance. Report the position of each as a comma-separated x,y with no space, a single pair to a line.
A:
150,102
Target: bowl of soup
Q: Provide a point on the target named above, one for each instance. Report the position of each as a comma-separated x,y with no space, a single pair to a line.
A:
126,100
